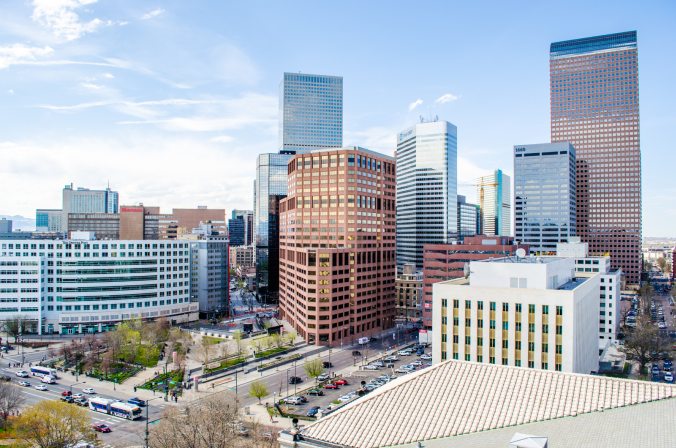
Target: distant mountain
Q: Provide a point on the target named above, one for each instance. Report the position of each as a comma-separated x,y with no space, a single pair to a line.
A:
21,222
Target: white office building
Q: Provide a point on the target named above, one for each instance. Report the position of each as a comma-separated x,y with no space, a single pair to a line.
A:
84,200
427,189
86,286
209,270
519,311
610,289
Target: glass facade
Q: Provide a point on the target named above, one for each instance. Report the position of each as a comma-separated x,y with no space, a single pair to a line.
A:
427,189
544,194
594,106
495,202
469,218
270,188
310,112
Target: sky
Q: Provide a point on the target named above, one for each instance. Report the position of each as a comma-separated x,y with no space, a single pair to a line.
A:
170,102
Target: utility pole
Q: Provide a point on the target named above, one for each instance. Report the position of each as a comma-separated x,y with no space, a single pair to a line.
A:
147,421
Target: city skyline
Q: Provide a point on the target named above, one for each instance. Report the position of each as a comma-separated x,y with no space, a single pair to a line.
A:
104,97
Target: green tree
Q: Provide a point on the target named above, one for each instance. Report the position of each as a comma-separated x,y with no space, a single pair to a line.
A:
54,424
642,341
258,389
314,368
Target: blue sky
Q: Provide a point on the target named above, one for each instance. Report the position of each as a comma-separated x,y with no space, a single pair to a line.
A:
171,101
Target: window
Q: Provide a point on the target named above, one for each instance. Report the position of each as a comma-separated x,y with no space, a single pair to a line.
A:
559,330
545,328
492,306
531,309
505,325
505,307
545,309
559,349
456,303
559,311
518,307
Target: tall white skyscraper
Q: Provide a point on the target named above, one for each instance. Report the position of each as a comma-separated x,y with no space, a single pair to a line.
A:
310,112
427,188
544,195
494,199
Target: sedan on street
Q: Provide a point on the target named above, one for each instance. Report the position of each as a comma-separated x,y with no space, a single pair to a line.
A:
41,387
88,390
101,427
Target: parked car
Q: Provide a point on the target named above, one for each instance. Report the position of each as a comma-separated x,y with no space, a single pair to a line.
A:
416,363
341,382
68,399
371,367
89,390
331,386
41,387
426,357
317,392
66,393
5,378
391,358
669,377
293,400
22,374
78,395
312,412
137,401
24,384
323,377
327,364
295,380
101,427
81,401
404,353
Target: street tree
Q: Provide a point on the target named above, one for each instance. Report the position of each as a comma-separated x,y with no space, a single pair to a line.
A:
258,389
14,327
662,263
205,350
314,368
238,336
291,337
50,424
11,400
642,341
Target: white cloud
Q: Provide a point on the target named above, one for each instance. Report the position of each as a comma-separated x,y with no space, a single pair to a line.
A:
61,18
378,138
415,104
211,174
21,54
446,98
10,91
91,86
153,13
222,139
108,76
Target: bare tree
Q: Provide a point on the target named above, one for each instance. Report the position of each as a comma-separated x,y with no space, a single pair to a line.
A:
11,400
642,341
238,336
214,423
205,349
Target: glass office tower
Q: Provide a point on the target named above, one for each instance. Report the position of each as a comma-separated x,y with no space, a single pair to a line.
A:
270,188
544,195
427,189
594,106
495,202
310,112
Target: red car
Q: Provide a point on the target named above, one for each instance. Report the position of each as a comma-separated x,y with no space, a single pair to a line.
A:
341,382
331,386
66,393
100,427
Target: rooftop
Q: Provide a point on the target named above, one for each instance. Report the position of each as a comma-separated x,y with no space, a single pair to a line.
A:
457,398
522,260
573,283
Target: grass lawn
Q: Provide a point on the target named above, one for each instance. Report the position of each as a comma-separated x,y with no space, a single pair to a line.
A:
271,351
226,363
211,340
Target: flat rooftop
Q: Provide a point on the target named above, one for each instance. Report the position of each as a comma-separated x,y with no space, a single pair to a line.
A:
573,283
522,260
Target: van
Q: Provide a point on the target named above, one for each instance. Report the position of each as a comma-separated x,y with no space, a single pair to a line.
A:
48,379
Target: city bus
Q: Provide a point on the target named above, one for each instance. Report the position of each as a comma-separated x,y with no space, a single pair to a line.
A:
114,407
43,371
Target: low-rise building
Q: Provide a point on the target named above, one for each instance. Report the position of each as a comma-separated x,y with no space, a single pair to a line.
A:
86,286
519,311
242,257
443,262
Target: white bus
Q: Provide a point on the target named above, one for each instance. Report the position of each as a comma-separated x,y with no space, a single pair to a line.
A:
114,407
43,371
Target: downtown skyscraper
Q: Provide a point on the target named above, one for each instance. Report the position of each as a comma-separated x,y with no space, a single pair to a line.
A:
494,200
310,112
544,195
594,106
427,189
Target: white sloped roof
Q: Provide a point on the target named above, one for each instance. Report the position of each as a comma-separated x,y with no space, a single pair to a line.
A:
458,397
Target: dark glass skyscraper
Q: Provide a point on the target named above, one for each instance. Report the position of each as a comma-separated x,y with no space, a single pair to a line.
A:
594,106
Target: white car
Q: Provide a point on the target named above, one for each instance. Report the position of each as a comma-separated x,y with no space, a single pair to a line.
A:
404,353
293,400
371,367
669,377
22,374
391,358
402,370
426,357
416,363
77,396
40,387
88,390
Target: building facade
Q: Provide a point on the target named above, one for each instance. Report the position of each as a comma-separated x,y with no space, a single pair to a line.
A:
87,286
242,257
48,220
236,233
408,287
84,200
187,219
106,226
427,189
310,112
5,225
469,218
595,106
544,195
269,189
610,317
209,271
444,262
337,245
524,312
494,198
247,216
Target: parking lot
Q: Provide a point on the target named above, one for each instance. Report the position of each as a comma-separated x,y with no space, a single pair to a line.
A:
332,398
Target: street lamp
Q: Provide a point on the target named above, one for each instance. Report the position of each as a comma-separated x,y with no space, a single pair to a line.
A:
71,386
147,420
